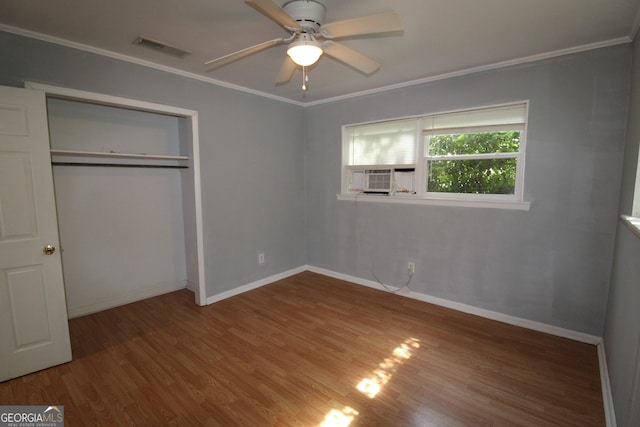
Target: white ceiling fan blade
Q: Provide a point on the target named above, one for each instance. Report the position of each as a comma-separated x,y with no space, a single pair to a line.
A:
224,60
286,72
274,12
384,22
351,57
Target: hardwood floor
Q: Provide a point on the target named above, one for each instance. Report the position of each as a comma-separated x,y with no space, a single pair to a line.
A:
313,351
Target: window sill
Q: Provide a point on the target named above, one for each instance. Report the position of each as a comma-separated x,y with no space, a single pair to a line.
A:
633,223
413,200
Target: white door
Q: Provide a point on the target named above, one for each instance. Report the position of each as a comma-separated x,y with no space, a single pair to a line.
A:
34,331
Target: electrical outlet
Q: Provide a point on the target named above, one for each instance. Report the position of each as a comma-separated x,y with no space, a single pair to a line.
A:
261,258
411,268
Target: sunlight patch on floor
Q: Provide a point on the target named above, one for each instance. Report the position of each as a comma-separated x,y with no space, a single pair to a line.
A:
339,418
371,386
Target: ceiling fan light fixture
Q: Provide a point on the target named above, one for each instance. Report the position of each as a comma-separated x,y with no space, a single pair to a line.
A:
305,51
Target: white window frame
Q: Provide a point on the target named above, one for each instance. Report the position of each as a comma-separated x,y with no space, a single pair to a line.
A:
633,220
504,201
519,156
635,210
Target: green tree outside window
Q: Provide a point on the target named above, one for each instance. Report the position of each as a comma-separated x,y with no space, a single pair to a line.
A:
473,176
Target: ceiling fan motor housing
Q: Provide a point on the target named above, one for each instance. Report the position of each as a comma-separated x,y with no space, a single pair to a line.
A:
308,13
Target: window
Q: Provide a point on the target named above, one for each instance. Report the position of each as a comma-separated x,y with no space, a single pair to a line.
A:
635,210
471,155
380,156
474,152
633,221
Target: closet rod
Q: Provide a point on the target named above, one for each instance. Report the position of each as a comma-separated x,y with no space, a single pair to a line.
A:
118,165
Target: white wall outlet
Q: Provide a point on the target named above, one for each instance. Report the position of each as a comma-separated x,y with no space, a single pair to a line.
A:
411,268
261,258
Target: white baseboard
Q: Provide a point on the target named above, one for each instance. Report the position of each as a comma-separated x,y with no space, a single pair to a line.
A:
115,301
191,286
465,308
607,396
254,285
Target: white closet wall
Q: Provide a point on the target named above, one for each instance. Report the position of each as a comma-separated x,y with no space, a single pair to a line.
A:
121,229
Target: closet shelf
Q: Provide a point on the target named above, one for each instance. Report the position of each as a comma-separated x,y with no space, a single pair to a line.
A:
77,153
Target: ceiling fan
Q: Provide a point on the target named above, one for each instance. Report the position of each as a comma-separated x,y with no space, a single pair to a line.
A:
309,37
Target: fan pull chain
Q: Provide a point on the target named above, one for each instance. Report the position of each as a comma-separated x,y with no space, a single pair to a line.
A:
305,78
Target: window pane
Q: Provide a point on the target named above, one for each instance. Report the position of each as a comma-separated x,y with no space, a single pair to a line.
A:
474,143
390,143
491,176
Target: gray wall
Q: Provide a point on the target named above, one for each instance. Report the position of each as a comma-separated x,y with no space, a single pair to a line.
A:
252,154
622,330
551,264
264,190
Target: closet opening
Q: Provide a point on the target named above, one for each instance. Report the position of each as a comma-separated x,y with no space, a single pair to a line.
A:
127,188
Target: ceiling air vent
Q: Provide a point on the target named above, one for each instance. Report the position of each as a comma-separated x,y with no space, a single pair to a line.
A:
161,47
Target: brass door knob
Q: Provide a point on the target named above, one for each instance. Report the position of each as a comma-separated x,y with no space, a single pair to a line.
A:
49,249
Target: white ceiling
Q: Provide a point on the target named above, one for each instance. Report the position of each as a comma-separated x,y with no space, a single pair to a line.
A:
441,36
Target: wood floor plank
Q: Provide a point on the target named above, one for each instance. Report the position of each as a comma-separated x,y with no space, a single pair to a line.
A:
310,350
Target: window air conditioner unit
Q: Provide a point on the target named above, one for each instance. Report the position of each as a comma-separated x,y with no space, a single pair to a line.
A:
377,181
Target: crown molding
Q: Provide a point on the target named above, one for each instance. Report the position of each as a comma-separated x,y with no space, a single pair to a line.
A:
137,61
488,67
